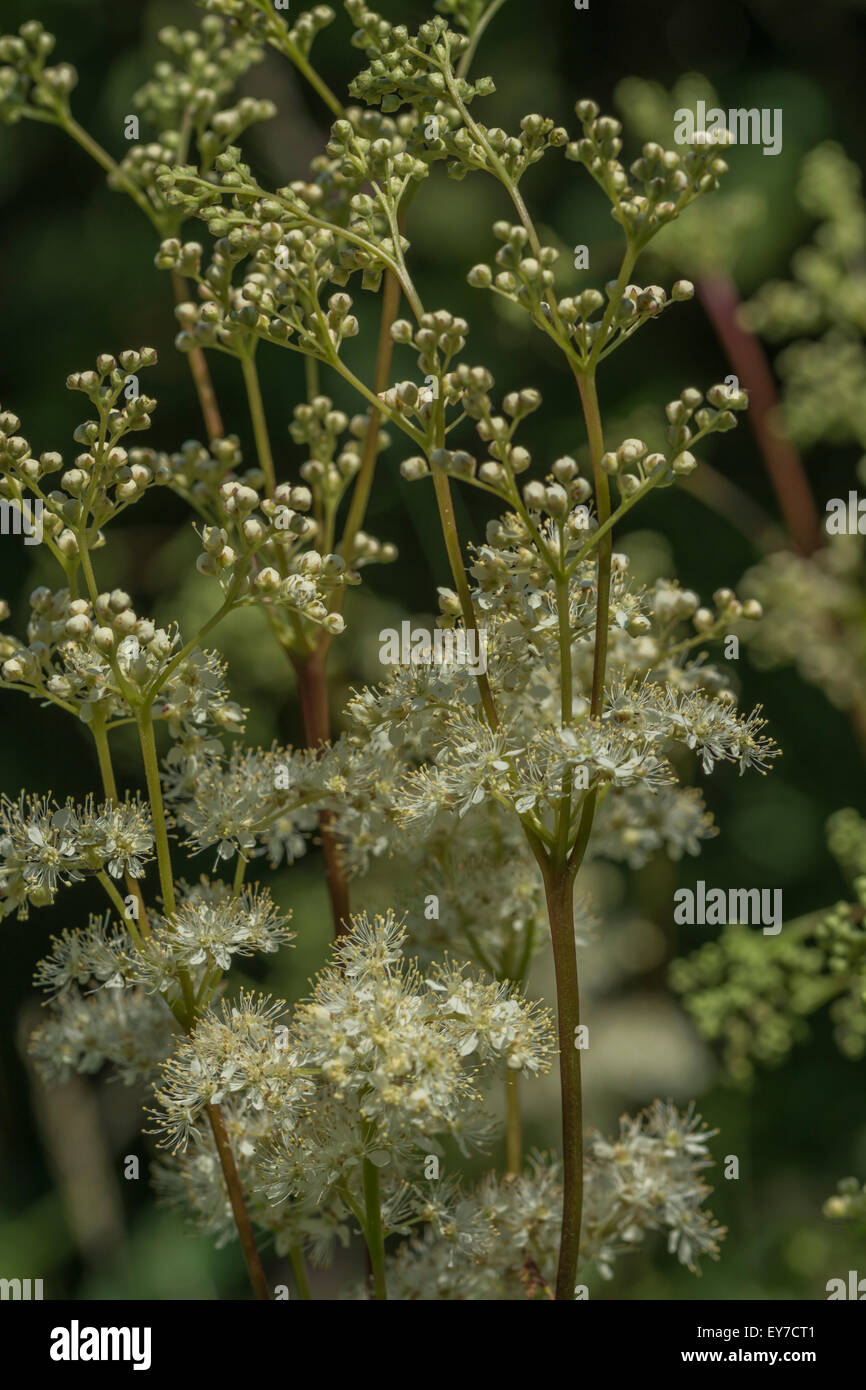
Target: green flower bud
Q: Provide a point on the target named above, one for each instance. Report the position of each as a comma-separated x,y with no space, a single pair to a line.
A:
684,463
414,468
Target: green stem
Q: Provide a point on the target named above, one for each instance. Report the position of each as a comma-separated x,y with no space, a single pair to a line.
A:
299,1270
455,560
87,567
364,481
105,161
592,414
147,740
239,876
165,675
466,60
566,679
109,784
306,70
257,414
103,753
125,916
373,1230
513,1136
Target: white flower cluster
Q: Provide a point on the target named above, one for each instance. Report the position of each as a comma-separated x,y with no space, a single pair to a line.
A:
521,764
501,1241
380,1063
44,846
251,801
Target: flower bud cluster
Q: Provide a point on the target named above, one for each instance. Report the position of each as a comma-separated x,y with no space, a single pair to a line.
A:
208,64
260,20
278,297
382,157
469,388
672,605
105,478
437,340
527,281
27,87
689,420
500,151
669,180
523,278
331,466
408,71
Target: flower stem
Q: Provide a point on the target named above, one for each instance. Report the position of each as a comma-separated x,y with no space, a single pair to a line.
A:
125,917
299,1269
364,480
239,1206
200,371
513,1136
373,1230
720,299
466,59
559,880
144,721
318,84
109,784
257,414
592,415
461,583
558,886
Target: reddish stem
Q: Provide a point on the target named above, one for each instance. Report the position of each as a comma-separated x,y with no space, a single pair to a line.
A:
239,1206
720,298
200,371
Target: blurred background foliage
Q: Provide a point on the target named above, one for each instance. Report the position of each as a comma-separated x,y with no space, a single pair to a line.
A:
78,279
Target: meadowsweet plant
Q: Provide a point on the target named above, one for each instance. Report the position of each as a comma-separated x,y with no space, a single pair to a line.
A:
756,1005
491,789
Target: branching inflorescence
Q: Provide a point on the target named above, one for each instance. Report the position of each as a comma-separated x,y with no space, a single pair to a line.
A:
573,741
